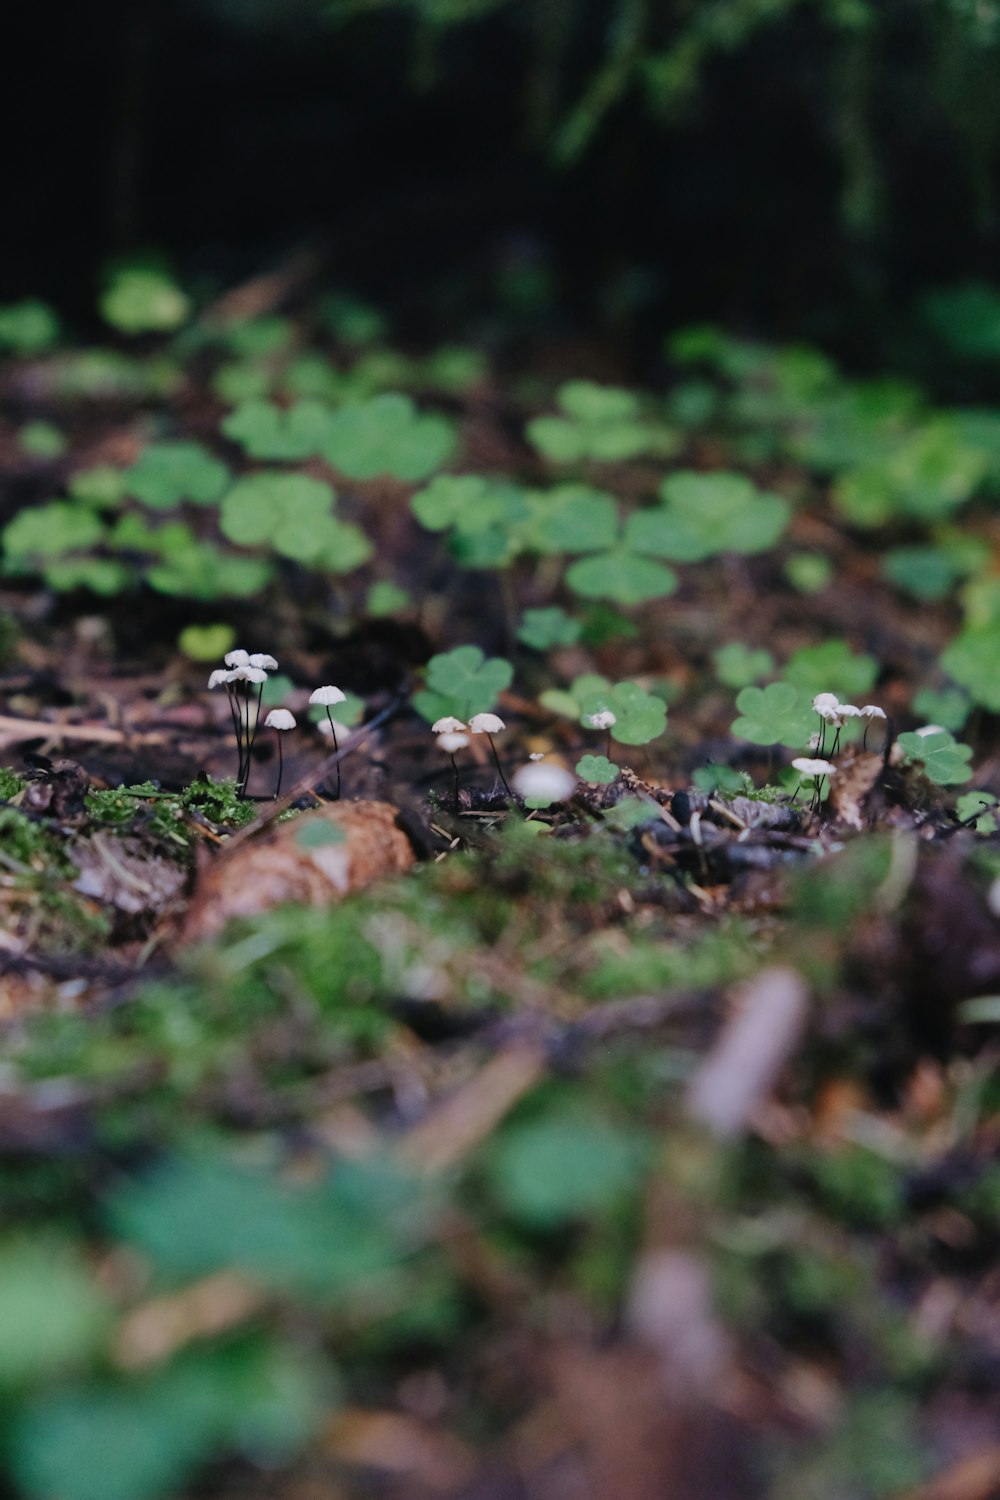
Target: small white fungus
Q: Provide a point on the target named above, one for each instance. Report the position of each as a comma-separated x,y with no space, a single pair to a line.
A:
279,718
452,740
810,767
545,782
486,724
602,720
448,725
327,695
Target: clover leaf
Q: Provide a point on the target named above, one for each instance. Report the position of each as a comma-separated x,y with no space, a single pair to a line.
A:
925,476
142,300
49,531
28,327
598,422
737,664
971,660
831,667
639,716
267,431
778,714
597,769
164,474
704,515
542,628
621,575
944,760
981,806
461,683
387,435
573,518
485,515
293,514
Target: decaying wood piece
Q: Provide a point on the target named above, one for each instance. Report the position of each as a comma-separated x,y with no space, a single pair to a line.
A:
290,862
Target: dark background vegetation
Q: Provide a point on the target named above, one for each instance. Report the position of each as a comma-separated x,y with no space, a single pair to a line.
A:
610,166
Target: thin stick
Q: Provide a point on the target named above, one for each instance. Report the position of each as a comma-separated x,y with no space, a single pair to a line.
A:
503,778
336,749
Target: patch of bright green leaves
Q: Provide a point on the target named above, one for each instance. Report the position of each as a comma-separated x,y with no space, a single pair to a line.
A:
598,422
943,759
461,683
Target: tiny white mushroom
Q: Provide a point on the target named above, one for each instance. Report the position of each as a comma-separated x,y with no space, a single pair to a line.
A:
219,677
545,782
604,719
849,711
327,695
248,674
810,767
485,724
237,659
451,740
826,703
930,729
279,718
261,659
448,725
872,711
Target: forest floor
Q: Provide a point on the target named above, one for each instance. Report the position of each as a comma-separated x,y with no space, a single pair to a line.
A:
417,1142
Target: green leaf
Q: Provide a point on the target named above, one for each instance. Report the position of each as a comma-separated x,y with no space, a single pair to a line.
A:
944,760
597,769
201,571
99,574
167,473
472,504
737,664
140,300
102,488
981,806
267,431
573,518
640,716
28,327
386,435
708,514
831,667
971,660
50,531
552,1171
53,1313
293,512
778,714
206,643
621,575
467,680
543,628
41,440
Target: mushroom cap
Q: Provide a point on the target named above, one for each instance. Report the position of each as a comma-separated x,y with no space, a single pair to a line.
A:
247,674
545,779
814,767
872,711
603,719
826,703
279,718
448,725
237,659
218,677
326,695
452,741
486,724
261,659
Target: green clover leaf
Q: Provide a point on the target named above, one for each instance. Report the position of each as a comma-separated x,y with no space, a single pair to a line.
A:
266,431
831,667
971,660
704,515
639,716
164,474
573,518
598,422
291,512
542,628
140,300
387,435
28,327
49,531
463,682
778,714
597,769
621,575
736,664
944,760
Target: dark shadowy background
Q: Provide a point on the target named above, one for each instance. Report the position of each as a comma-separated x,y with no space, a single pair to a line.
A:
796,169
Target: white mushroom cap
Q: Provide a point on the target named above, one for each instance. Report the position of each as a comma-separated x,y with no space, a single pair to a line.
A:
327,695
261,659
237,659
279,718
872,711
604,719
826,703
219,676
452,741
247,674
930,729
545,781
848,711
448,725
486,724
813,767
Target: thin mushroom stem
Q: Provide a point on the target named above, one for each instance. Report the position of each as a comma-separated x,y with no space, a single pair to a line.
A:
499,767
336,750
281,767
454,784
